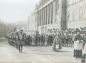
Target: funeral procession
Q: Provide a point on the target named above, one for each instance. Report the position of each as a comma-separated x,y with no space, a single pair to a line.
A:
42,31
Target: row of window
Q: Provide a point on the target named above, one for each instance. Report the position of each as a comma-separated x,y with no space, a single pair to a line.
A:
45,15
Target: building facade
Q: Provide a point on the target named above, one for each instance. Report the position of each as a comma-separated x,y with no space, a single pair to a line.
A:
48,15
54,15
76,13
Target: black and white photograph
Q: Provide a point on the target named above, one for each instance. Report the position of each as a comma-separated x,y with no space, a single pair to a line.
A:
42,31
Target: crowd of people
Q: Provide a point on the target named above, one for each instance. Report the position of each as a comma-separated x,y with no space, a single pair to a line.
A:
64,38
43,39
16,38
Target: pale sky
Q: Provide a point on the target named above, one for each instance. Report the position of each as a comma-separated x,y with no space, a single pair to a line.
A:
12,11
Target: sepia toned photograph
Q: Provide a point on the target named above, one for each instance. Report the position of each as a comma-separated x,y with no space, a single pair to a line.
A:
42,31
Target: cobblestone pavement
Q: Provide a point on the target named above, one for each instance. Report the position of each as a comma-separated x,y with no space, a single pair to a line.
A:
9,54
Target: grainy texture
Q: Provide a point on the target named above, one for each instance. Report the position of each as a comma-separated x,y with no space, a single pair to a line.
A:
9,54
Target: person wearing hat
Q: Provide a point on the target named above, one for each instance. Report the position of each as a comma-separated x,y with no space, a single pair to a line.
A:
21,40
78,45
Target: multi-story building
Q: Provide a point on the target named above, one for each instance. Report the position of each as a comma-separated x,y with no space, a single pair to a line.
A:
52,15
48,15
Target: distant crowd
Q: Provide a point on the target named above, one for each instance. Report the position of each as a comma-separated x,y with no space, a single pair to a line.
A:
43,39
64,38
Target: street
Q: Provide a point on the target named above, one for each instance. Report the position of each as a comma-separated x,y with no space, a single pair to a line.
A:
9,54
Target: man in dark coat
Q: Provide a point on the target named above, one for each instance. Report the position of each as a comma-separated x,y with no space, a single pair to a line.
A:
42,39
21,40
28,40
50,40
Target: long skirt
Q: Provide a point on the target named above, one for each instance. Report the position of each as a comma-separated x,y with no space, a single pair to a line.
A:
78,53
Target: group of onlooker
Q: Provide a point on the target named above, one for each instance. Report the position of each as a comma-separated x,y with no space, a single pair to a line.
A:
65,38
16,38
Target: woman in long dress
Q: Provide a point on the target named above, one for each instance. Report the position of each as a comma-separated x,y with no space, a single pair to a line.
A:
78,45
57,43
